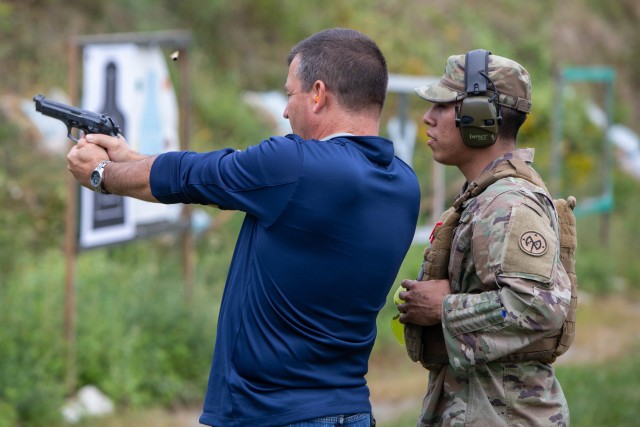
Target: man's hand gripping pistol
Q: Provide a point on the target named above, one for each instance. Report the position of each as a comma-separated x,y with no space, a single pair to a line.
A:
76,118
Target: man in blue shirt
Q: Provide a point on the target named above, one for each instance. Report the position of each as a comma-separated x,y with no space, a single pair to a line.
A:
330,214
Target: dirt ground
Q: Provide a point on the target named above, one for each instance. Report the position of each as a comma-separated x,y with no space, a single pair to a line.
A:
606,329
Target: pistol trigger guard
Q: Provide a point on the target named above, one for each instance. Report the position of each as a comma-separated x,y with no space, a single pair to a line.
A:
69,129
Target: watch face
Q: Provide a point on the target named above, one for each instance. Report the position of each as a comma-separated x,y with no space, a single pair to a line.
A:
95,178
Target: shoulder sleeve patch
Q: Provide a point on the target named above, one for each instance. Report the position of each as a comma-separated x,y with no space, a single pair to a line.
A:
533,243
530,245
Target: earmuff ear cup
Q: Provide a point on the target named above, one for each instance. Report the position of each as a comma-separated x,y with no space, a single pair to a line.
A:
478,117
478,120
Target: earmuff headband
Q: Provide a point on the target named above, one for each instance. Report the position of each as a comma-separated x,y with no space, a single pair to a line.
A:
476,72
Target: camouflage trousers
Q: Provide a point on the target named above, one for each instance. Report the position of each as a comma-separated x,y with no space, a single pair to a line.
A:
496,394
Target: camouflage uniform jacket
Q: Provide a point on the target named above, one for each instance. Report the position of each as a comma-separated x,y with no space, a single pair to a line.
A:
509,289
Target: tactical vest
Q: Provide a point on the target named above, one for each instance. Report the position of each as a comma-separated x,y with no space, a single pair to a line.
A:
426,343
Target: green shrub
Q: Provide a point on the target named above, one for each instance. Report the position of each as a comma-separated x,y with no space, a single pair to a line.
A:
137,337
139,340
8,416
31,350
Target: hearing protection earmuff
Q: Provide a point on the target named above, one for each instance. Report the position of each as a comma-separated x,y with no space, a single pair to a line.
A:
478,116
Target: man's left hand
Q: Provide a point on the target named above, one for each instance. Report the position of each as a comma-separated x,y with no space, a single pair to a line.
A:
83,158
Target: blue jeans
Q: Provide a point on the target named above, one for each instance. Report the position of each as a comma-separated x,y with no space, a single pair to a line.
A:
353,420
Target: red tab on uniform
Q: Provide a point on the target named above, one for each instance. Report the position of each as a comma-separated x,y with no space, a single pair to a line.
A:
431,236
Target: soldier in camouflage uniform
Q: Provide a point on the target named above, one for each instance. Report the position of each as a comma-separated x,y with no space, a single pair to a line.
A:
507,289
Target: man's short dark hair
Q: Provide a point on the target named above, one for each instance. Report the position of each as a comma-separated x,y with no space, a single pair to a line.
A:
511,122
348,62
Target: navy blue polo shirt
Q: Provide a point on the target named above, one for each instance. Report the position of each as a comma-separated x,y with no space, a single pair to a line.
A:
327,226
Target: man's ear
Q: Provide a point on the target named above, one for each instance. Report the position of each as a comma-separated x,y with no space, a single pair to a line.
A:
319,93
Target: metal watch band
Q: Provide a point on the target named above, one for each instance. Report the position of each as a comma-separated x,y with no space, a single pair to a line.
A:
100,171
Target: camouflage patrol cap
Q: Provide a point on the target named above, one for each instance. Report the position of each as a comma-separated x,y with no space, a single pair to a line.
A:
511,80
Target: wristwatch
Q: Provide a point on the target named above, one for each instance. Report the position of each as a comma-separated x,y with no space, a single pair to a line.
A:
97,177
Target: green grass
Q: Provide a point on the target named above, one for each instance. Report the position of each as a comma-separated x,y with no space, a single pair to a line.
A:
606,394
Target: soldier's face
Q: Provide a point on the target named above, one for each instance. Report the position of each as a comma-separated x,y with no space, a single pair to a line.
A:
445,139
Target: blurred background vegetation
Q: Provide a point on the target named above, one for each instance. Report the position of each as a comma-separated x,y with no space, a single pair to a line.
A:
138,339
